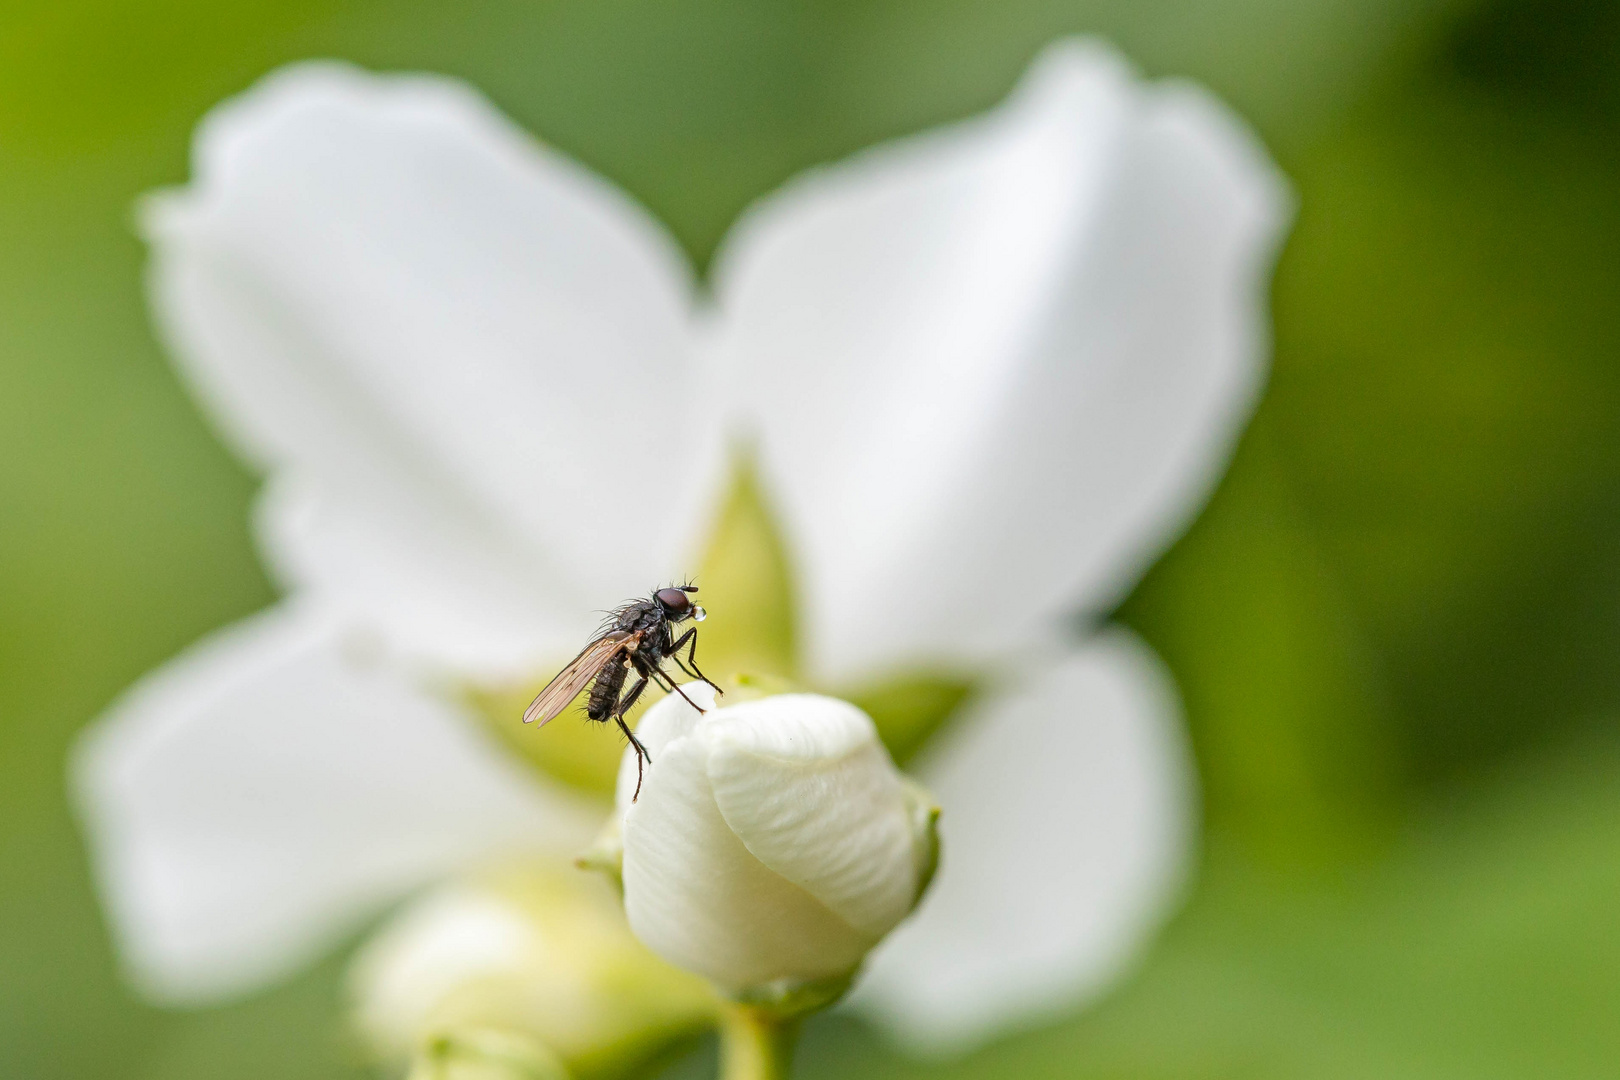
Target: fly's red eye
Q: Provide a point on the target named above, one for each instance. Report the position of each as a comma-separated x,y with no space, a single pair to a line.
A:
675,601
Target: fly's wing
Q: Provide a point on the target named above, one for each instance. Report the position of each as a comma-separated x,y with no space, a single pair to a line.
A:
572,679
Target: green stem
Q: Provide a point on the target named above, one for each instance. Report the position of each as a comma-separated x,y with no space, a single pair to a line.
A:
755,1044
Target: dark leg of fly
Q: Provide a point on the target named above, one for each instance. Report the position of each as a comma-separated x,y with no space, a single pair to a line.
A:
661,677
642,757
630,698
691,658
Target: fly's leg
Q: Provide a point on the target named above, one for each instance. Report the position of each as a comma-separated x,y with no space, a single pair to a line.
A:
659,676
691,658
642,757
629,699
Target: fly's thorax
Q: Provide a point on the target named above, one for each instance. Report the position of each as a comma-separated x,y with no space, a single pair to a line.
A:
644,616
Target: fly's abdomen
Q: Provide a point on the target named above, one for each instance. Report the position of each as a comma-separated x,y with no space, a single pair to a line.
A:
605,691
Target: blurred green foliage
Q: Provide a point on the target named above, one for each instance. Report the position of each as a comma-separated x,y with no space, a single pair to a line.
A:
1397,628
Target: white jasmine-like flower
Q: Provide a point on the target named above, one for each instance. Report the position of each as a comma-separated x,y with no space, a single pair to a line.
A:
988,371
774,842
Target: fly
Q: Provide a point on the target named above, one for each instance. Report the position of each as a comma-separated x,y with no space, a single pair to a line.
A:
637,637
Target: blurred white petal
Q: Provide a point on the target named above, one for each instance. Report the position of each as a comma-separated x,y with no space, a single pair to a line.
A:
805,783
1069,809
428,575
992,369
462,347
258,797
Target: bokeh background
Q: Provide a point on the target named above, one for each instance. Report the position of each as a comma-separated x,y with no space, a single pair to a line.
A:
1396,628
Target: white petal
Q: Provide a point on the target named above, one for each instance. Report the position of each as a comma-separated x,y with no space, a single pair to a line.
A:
994,368
807,786
466,349
252,801
419,570
1069,809
697,897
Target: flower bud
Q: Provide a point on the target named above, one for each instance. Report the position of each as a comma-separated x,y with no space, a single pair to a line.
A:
773,842
470,973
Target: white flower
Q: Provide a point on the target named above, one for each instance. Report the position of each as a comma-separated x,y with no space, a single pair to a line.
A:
774,841
989,372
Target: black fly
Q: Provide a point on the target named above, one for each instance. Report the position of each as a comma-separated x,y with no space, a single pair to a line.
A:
637,637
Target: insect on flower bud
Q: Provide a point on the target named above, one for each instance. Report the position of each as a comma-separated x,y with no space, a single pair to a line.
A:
774,842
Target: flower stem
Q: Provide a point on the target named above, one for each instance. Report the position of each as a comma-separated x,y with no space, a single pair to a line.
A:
755,1043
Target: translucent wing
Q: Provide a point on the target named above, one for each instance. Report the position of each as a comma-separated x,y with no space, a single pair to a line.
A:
572,679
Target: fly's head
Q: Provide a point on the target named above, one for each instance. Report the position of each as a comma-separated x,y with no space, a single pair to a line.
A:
677,605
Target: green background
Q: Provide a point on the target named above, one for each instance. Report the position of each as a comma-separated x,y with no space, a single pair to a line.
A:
1396,628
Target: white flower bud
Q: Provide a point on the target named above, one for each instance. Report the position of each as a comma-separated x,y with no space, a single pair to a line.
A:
537,956
773,842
